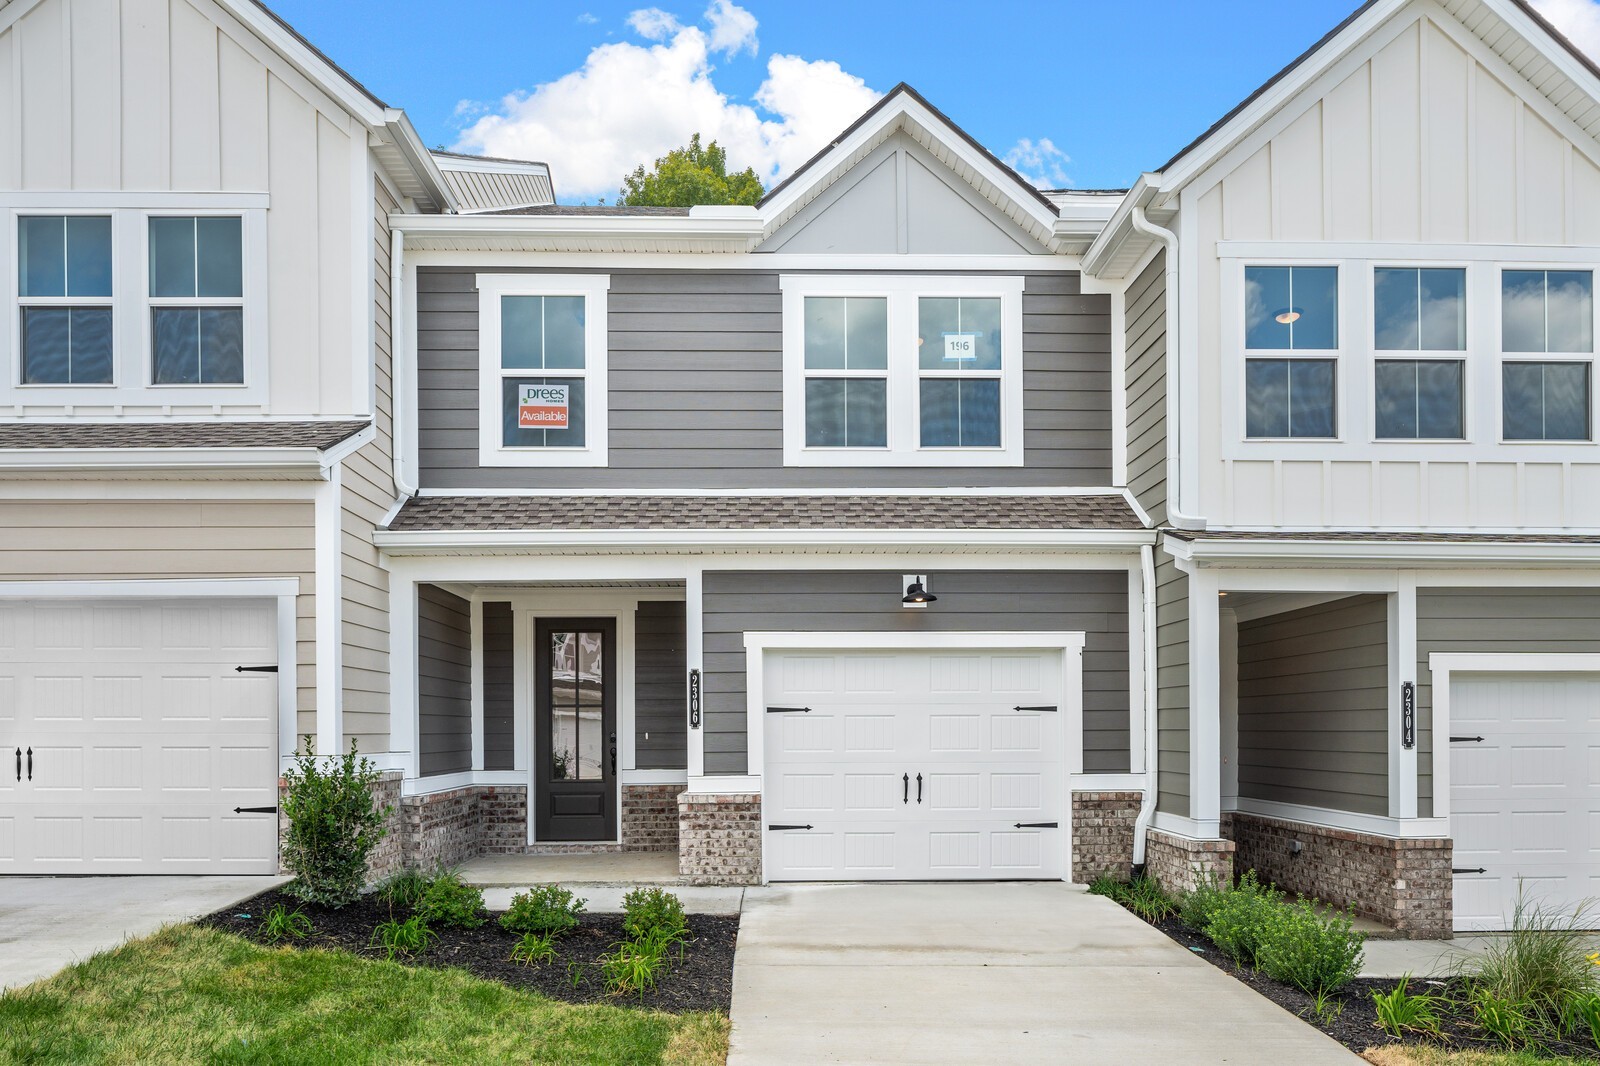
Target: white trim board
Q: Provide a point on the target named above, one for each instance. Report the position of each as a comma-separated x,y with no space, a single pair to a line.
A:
1351,821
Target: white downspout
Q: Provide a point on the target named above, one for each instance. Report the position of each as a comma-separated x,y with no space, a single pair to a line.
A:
1147,806
1175,514
401,379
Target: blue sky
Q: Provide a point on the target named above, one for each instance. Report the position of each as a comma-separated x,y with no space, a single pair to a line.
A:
1114,88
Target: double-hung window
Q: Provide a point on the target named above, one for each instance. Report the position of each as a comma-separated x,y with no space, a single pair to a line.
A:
542,369
64,294
902,371
196,290
1419,310
1291,342
1547,348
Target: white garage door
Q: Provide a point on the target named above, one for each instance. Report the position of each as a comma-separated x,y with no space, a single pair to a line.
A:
914,765
1525,799
129,737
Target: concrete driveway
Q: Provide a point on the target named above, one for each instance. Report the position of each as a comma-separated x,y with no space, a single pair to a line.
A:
988,973
50,922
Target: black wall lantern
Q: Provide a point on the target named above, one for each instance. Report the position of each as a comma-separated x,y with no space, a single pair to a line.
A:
917,594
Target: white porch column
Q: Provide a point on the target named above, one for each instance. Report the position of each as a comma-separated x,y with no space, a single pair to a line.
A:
694,632
1402,671
328,516
1228,643
403,672
1205,699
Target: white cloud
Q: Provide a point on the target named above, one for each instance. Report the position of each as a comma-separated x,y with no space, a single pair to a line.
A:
733,29
1579,20
1040,162
631,103
587,19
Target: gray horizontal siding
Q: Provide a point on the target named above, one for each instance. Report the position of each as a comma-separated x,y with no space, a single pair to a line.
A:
1093,602
659,700
1313,706
1146,331
444,681
1517,620
1172,688
696,389
499,689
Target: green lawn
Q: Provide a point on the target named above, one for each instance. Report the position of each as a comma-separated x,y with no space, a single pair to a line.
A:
1396,1055
191,995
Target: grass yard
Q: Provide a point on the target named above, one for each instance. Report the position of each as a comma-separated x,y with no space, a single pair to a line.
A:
1418,1055
198,995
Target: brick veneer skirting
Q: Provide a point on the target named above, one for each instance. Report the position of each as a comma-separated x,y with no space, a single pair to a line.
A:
1405,884
1179,863
650,817
1102,833
719,838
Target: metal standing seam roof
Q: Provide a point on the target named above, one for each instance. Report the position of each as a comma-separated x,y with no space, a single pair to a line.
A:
100,435
443,514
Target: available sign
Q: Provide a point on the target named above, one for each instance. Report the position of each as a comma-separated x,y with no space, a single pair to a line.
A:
542,406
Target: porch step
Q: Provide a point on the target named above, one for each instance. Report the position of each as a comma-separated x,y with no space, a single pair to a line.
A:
630,868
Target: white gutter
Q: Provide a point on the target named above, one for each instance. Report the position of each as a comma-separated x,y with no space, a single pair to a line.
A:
401,381
65,459
1147,806
745,227
1042,540
1175,514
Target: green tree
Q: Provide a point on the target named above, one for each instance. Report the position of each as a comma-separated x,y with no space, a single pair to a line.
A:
684,177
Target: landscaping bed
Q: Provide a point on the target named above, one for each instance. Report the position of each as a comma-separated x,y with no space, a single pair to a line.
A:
702,980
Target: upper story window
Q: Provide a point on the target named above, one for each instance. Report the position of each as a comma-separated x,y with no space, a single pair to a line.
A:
902,371
1419,309
130,306
1546,313
542,369
1291,312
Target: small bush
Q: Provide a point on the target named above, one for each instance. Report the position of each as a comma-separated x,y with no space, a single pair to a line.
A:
281,923
402,938
1508,1020
1400,1012
534,948
1240,916
548,909
1196,907
1145,897
1542,961
333,826
1581,1015
1299,946
1106,885
403,889
450,901
634,965
645,910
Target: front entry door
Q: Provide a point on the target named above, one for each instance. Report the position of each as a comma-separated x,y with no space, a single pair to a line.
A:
575,728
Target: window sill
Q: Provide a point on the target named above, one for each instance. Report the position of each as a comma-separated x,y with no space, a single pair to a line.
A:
542,457
889,458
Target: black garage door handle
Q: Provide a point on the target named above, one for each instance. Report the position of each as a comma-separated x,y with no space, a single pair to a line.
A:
19,764
30,764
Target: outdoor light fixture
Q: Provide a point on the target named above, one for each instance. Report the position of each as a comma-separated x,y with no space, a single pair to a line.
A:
1287,316
917,594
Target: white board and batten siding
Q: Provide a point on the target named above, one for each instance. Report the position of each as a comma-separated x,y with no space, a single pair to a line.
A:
144,97
1426,140
917,765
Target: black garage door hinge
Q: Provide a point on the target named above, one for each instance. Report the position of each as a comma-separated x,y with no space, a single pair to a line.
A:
255,669
1038,825
1047,710
788,710
255,810
775,828
1468,870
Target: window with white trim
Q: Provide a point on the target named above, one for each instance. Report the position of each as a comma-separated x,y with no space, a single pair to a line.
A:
64,269
542,369
1291,311
1545,313
1419,309
196,292
902,370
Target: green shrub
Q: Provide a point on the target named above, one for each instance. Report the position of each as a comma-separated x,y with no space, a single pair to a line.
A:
450,901
1581,1015
1510,1021
634,965
1197,906
547,909
1107,885
282,923
333,826
402,938
403,889
534,948
1145,897
1240,916
1400,1012
1301,946
645,910
1542,961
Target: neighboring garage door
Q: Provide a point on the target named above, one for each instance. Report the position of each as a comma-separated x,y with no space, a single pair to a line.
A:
849,734
129,736
1525,800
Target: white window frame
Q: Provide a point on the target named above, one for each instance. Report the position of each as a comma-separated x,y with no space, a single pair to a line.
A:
1588,358
492,450
904,414
131,340
155,303
22,303
1309,355
1465,356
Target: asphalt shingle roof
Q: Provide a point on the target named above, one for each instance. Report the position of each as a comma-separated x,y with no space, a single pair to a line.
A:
319,435
862,512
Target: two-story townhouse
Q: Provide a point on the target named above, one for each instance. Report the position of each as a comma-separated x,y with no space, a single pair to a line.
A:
1361,403
784,536
195,434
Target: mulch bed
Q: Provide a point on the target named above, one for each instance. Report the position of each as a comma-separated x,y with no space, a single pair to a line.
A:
1356,1026
702,980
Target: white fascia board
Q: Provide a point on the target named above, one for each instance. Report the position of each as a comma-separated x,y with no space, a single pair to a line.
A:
421,161
302,460
489,166
1380,553
643,227
1119,226
723,540
338,453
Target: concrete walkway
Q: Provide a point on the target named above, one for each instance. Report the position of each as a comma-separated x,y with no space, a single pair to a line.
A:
1432,958
50,922
988,973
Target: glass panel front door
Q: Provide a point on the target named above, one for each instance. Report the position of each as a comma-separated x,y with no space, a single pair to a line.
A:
575,729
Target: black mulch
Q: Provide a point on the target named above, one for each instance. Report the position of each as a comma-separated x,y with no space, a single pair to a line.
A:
1356,1025
702,980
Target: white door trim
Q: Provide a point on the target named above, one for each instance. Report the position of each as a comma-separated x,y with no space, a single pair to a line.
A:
1443,664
